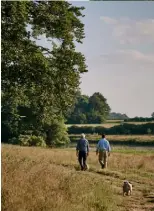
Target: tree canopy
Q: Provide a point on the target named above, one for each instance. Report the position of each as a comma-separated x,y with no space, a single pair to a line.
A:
39,84
93,109
117,116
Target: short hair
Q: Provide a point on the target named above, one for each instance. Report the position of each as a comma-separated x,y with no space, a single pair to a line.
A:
103,135
83,135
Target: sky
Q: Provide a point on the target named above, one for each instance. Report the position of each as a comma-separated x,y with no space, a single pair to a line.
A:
119,52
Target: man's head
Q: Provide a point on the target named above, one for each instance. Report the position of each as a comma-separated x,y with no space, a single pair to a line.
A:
103,135
83,135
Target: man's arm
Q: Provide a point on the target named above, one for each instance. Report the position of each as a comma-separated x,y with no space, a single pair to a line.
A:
87,147
109,148
77,149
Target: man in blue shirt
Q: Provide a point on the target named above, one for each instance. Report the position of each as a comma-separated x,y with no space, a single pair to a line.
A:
82,151
103,151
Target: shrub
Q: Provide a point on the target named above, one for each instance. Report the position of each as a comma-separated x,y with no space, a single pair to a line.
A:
75,129
29,140
124,129
37,141
149,131
57,133
13,140
24,140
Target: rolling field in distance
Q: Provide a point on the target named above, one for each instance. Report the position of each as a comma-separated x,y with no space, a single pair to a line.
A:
49,179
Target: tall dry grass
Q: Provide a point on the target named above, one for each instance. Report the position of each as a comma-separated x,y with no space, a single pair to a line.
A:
46,179
37,179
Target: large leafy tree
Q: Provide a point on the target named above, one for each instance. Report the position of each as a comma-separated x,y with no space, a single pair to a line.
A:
93,109
39,83
98,108
79,113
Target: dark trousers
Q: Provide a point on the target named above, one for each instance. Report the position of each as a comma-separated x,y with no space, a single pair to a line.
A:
82,160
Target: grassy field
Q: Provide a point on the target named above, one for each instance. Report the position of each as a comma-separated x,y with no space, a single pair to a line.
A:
109,123
49,179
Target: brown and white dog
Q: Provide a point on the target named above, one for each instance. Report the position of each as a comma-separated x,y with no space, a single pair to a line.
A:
127,188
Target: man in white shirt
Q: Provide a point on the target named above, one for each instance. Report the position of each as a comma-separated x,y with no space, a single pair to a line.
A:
103,151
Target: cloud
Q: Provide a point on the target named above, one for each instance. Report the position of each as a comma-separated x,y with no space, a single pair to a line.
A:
129,57
108,20
130,31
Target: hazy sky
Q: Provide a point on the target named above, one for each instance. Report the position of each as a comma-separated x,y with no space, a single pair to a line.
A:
119,51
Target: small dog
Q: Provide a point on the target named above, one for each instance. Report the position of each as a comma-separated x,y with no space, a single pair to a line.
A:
127,188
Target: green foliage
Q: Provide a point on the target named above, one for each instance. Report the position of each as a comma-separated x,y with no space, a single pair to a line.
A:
29,140
117,116
93,109
124,129
33,77
149,131
140,119
56,133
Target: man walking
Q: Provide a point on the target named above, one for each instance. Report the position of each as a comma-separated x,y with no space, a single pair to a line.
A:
82,151
103,151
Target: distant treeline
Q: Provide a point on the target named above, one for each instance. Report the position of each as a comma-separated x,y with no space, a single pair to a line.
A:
117,116
124,129
139,119
94,109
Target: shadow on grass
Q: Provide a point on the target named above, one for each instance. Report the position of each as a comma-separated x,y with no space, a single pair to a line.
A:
150,199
